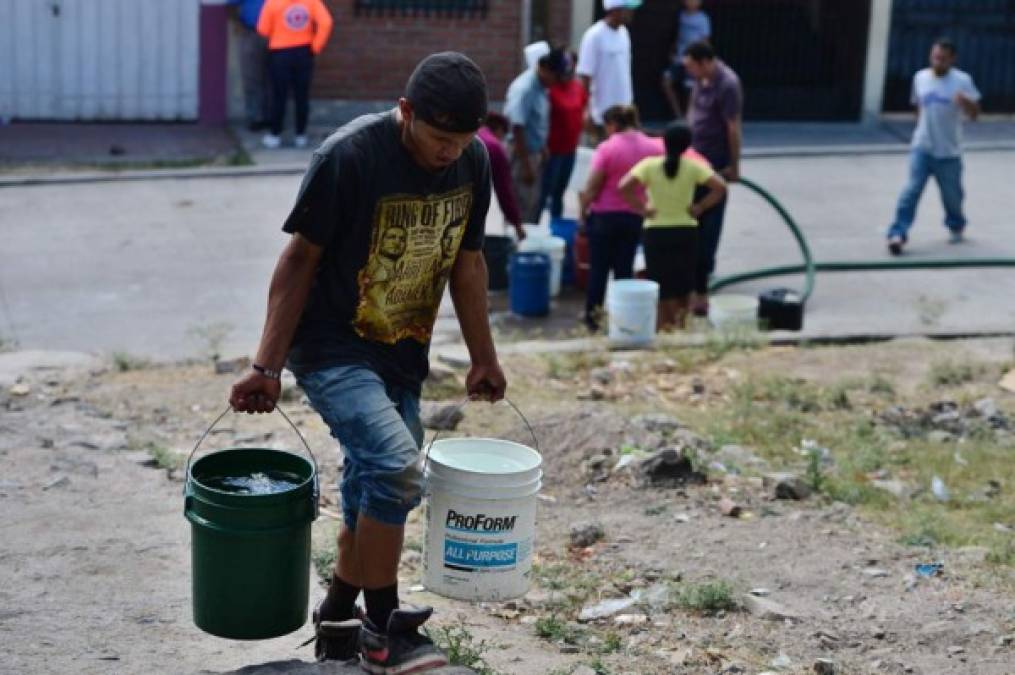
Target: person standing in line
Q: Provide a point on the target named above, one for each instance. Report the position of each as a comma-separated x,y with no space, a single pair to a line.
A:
253,65
714,114
604,62
693,25
527,107
568,99
391,211
671,219
492,134
941,94
612,226
297,31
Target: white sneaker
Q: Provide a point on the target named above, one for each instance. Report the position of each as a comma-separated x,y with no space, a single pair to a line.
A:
300,141
271,141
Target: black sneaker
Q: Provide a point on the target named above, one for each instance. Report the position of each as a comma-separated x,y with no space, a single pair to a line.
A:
402,649
337,640
895,243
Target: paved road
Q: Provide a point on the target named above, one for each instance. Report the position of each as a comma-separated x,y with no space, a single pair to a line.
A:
143,267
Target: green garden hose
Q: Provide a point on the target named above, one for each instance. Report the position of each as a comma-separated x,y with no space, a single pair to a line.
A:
809,267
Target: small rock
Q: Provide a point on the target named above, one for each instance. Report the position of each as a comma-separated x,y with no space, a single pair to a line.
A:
62,481
760,592
1001,527
764,608
955,650
19,389
895,487
781,662
1006,640
565,648
986,408
824,667
666,468
605,609
630,619
876,572
686,518
787,486
603,376
440,416
685,438
586,534
659,423
599,467
729,508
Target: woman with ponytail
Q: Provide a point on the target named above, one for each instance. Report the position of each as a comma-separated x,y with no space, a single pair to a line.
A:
613,228
671,218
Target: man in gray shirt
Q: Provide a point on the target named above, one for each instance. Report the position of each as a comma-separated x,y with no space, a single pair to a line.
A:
941,94
714,114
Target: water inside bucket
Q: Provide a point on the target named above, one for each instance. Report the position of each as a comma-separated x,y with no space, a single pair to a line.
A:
482,458
256,483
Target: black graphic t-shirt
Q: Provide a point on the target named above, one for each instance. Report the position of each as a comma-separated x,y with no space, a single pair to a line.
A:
391,231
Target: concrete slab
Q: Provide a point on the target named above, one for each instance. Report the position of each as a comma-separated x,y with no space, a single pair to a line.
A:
149,267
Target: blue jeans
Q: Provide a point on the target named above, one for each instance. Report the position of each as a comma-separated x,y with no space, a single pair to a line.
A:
556,176
613,242
378,427
947,171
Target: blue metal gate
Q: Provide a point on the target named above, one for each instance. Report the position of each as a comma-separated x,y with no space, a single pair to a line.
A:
983,31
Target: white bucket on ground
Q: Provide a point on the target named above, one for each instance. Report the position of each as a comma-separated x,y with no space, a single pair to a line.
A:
632,305
551,246
733,311
480,515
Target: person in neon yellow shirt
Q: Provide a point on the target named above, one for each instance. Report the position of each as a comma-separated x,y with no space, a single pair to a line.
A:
671,219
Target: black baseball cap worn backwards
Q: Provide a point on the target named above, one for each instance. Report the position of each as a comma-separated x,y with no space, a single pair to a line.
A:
448,92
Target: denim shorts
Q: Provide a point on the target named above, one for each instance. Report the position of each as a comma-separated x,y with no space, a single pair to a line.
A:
378,427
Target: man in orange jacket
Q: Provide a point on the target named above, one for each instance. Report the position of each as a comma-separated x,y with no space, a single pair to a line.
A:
296,30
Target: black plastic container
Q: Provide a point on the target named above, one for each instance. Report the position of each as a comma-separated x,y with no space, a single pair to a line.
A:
781,309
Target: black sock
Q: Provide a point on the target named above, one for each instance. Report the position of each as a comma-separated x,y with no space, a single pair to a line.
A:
381,602
341,599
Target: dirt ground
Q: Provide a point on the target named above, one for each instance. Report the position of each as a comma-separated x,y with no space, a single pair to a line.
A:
95,555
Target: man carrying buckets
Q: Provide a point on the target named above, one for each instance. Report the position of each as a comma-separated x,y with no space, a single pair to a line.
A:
392,207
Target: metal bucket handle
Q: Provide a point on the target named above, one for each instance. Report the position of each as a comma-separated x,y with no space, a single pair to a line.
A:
458,408
313,459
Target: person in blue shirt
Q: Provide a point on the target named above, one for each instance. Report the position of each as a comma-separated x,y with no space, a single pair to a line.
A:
693,25
253,65
527,107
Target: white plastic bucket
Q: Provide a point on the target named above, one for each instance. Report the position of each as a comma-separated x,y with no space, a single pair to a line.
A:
551,246
480,515
733,310
632,305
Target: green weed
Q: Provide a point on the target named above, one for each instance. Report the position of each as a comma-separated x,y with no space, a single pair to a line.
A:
124,362
708,597
952,374
461,647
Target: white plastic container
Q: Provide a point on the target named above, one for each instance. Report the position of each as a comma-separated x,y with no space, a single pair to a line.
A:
480,515
632,305
551,246
733,311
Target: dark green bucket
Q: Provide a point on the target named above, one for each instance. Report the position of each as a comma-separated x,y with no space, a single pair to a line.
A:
250,553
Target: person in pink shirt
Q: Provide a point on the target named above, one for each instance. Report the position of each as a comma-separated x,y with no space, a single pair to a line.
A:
612,226
492,135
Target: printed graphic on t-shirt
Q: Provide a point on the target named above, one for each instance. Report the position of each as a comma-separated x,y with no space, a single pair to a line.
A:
296,17
414,245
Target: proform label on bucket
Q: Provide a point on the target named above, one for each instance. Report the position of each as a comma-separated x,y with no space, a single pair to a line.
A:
469,557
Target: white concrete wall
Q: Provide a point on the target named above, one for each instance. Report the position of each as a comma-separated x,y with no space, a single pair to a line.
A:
877,58
99,59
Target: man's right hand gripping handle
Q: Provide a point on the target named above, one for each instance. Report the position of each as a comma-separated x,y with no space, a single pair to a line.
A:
255,393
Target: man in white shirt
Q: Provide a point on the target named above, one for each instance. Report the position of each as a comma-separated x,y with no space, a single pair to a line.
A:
604,60
941,95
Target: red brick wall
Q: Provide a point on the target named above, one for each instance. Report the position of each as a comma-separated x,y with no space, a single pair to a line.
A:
371,57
